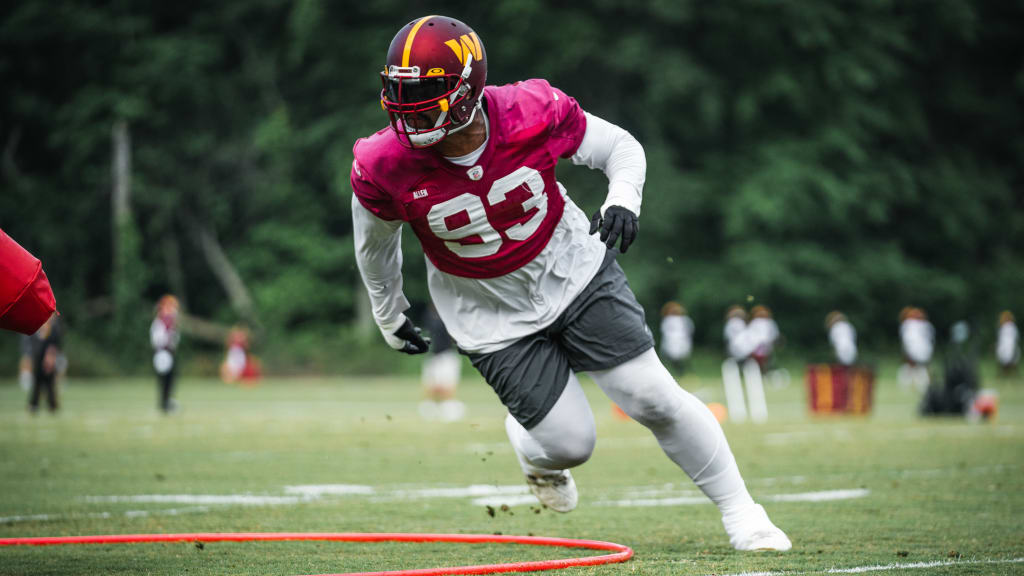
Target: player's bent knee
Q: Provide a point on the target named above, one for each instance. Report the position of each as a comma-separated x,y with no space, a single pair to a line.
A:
572,450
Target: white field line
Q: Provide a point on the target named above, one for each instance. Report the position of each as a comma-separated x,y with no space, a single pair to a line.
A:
313,491
318,490
667,490
480,495
881,567
239,499
822,496
655,502
516,500
126,514
474,491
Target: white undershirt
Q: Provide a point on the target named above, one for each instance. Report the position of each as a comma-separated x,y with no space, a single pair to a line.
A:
471,158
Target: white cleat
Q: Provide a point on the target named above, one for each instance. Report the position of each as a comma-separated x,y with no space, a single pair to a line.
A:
751,530
557,490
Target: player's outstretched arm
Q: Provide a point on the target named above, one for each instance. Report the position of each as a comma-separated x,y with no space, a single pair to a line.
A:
615,152
379,257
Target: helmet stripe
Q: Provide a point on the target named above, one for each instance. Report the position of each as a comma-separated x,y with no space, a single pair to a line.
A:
410,37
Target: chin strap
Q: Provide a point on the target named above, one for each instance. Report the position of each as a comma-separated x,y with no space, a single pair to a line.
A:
467,70
472,116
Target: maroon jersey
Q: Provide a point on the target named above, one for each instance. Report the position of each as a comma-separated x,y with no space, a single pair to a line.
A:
492,218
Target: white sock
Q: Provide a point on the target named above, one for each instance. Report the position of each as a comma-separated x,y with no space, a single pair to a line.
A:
684,427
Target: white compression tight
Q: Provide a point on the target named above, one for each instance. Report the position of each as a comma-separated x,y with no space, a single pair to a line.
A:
644,389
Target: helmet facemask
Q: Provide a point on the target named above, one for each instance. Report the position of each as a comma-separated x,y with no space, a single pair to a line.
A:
423,107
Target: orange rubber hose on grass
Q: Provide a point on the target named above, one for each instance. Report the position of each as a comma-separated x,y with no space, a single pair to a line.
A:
621,553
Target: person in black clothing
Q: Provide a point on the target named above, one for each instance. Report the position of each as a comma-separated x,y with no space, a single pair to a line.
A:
955,395
45,350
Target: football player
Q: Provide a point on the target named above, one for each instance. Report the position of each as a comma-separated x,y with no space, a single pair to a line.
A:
917,336
739,342
513,268
765,333
842,336
676,335
1007,343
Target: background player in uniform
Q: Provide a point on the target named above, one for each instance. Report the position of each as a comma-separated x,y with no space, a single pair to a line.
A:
523,286
1007,344
676,335
765,334
918,339
739,344
842,336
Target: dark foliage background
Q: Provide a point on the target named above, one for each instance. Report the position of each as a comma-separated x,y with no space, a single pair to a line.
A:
809,156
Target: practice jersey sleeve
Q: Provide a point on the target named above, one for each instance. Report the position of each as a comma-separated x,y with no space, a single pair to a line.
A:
568,123
379,257
617,153
370,196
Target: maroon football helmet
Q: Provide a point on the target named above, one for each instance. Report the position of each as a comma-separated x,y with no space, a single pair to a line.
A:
433,79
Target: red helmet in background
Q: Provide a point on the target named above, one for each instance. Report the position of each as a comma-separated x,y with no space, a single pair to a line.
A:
433,80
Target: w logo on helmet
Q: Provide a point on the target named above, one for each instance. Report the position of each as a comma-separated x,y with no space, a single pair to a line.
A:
466,44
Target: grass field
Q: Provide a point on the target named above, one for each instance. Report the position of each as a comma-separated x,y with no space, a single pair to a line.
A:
352,455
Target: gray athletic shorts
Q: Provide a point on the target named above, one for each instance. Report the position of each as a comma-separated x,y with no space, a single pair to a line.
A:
602,328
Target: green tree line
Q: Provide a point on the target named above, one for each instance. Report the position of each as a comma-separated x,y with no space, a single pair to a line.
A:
860,155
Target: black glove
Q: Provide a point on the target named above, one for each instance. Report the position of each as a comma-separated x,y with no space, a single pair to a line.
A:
617,221
414,343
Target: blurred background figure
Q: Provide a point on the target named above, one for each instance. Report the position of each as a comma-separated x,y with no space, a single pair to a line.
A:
25,364
239,364
766,338
740,370
1007,344
918,339
738,343
764,334
842,336
955,394
164,337
45,349
676,336
442,370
